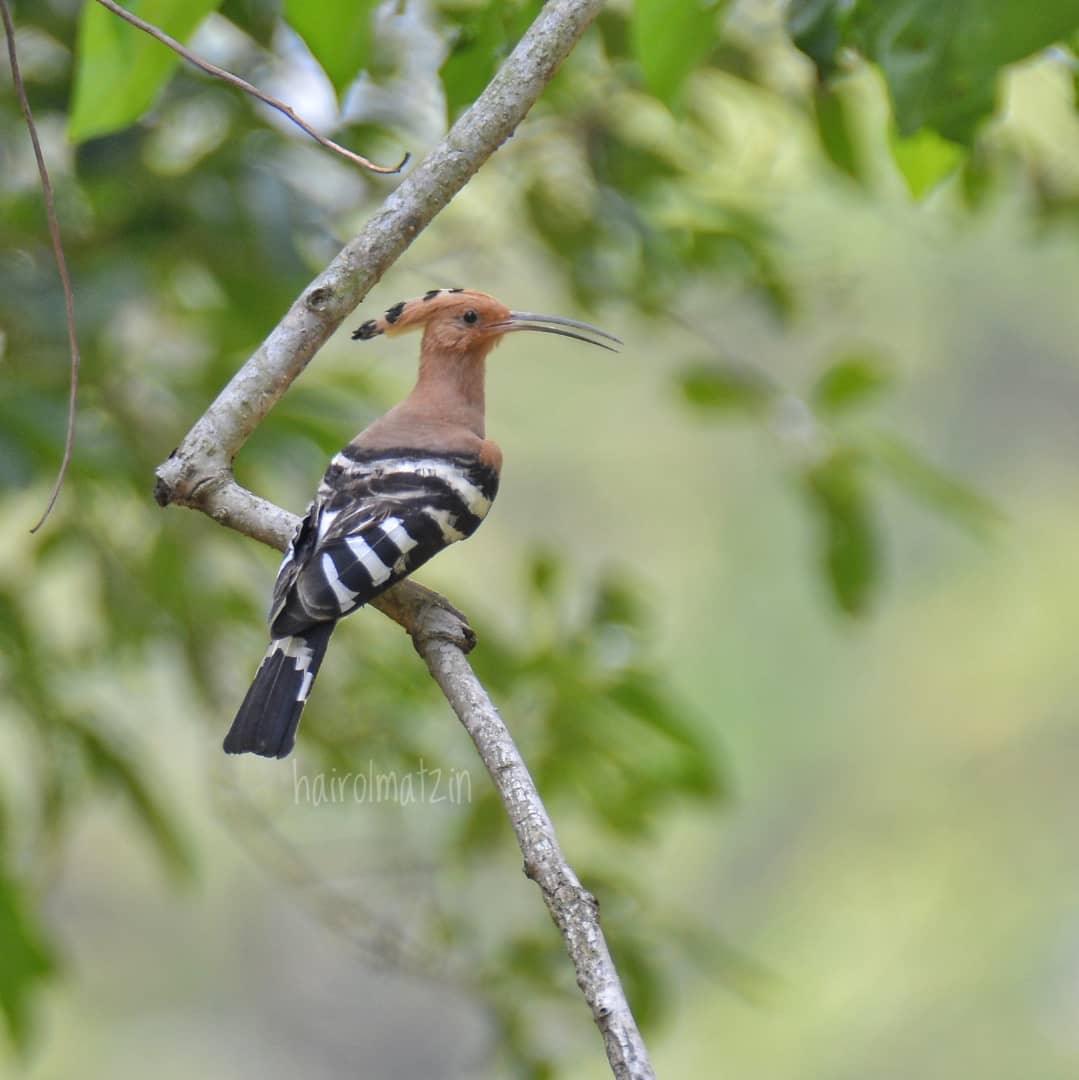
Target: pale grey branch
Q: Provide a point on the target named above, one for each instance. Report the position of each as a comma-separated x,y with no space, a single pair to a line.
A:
573,909
199,474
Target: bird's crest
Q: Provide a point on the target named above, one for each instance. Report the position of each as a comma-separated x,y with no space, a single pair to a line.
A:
405,314
466,319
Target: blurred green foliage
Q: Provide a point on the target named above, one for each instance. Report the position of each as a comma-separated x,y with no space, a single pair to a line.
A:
614,739
941,61
835,458
190,226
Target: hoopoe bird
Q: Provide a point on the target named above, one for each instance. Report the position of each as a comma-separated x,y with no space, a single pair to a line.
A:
418,479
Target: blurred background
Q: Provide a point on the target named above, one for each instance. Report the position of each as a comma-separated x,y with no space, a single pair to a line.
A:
780,603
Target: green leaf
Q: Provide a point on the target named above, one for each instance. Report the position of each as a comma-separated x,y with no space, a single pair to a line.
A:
932,486
120,70
616,603
985,173
816,27
259,19
473,60
832,108
338,33
614,28
544,571
27,960
941,60
726,389
849,381
850,550
925,159
111,767
670,39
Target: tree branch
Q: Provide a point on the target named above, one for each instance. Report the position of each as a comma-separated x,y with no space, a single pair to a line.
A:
574,910
198,474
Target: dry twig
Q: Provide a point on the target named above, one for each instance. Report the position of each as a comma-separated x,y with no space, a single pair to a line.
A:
242,84
58,253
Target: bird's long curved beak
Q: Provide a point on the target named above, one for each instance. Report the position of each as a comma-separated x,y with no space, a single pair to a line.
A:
555,324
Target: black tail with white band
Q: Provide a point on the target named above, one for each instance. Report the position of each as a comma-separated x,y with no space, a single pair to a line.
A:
267,721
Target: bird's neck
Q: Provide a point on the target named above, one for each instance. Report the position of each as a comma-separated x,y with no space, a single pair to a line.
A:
450,388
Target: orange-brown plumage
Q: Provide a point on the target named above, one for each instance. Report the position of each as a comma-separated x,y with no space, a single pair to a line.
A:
445,410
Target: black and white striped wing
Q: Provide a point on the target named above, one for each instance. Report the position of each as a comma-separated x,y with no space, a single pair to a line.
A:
377,517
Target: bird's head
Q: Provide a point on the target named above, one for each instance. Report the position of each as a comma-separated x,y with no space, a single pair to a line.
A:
467,321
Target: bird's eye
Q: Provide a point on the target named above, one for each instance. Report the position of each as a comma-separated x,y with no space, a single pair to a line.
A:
470,317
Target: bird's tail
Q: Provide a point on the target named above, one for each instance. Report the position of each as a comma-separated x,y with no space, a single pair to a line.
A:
267,720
